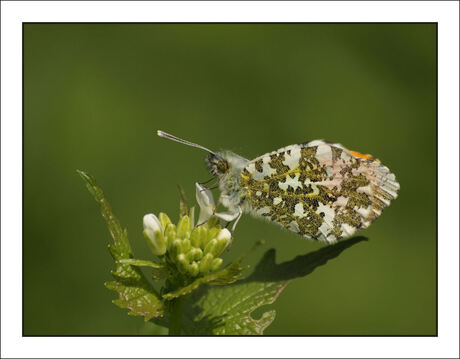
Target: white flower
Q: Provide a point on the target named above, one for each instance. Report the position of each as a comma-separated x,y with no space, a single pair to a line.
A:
208,208
206,203
152,223
153,232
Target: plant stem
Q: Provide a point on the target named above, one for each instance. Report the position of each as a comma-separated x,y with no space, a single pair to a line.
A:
175,321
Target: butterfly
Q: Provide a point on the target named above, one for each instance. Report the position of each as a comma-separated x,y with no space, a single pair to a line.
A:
319,190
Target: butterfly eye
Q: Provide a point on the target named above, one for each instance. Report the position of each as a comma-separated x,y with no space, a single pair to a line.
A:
222,166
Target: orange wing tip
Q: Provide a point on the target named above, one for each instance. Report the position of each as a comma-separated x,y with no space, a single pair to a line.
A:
362,155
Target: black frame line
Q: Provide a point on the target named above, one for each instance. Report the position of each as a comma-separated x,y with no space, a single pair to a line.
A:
415,1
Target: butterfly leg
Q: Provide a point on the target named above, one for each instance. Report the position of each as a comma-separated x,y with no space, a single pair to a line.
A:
209,180
240,213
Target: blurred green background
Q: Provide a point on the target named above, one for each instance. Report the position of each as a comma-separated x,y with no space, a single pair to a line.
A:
94,95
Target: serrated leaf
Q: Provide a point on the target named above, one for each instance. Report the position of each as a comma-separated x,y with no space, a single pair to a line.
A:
158,271
226,310
135,292
139,300
140,263
119,236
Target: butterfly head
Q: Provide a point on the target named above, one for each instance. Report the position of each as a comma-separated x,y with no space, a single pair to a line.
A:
217,165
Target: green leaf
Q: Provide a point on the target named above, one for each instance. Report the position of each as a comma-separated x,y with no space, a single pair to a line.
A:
159,271
140,263
226,310
135,292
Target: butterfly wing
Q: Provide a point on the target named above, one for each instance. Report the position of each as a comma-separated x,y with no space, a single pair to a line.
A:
319,190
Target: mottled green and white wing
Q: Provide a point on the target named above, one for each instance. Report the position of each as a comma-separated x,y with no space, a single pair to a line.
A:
319,190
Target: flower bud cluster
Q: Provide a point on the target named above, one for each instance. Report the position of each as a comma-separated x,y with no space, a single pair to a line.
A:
194,251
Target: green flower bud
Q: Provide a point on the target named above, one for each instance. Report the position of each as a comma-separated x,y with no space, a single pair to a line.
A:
195,236
213,232
192,218
198,254
176,248
194,254
153,233
186,245
213,222
164,220
210,247
183,227
182,263
205,263
170,234
210,234
216,263
190,255
194,269
223,241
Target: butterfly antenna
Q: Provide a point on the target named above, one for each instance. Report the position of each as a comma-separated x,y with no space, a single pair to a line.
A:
188,143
